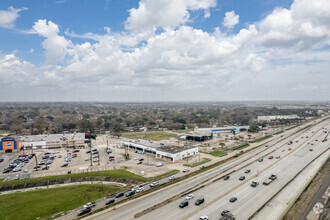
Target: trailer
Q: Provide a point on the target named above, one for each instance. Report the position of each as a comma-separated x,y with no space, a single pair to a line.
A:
270,179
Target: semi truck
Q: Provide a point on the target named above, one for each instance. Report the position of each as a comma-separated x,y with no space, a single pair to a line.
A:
270,179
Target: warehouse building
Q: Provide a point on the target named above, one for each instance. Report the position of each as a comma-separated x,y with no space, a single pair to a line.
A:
161,150
229,129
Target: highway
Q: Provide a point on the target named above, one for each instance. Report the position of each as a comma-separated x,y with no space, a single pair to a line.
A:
217,192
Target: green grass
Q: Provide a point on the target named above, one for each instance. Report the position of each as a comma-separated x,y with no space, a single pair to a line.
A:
120,173
261,139
205,160
164,175
47,202
240,146
153,135
218,153
279,132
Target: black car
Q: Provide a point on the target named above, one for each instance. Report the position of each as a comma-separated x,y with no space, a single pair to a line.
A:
7,170
242,178
88,152
226,177
109,201
130,193
141,159
224,212
83,211
232,199
119,195
140,162
199,201
184,204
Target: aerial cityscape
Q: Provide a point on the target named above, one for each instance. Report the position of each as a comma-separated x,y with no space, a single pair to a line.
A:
167,109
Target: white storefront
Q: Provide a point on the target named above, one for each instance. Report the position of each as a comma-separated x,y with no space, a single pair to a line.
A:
160,150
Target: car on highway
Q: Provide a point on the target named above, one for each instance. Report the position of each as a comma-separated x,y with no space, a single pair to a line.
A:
270,157
89,205
109,201
204,217
119,195
232,199
278,157
267,145
139,189
190,196
247,171
199,201
171,178
185,170
226,177
184,204
311,149
261,159
130,193
154,184
254,183
224,212
83,211
242,178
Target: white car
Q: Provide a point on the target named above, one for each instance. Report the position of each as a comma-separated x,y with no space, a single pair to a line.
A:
95,160
171,178
140,189
87,158
16,177
89,205
159,164
204,217
185,170
26,170
190,196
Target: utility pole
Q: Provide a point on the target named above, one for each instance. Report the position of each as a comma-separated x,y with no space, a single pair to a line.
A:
36,162
90,149
32,148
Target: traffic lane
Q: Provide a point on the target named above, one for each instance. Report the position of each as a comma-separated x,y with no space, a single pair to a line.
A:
145,205
209,191
263,193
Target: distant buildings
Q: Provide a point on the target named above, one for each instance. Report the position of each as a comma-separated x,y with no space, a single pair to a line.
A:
200,136
232,129
277,117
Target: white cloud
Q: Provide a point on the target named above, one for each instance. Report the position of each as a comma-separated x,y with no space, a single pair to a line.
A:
231,19
165,13
56,46
8,17
275,58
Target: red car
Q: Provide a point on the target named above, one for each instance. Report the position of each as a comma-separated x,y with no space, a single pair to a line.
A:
270,157
111,159
36,167
64,165
74,154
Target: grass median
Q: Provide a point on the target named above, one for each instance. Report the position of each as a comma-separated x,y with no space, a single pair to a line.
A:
46,202
120,173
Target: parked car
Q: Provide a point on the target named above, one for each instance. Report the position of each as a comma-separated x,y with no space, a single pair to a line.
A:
27,176
64,165
242,178
190,196
109,201
17,177
69,171
199,201
140,162
87,158
184,204
95,160
119,195
247,171
232,199
75,151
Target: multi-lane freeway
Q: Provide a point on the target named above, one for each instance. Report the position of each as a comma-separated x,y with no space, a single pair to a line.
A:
287,162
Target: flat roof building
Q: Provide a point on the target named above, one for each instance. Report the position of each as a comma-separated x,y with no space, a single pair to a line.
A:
160,149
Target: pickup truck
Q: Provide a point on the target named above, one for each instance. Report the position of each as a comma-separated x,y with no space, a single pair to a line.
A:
270,179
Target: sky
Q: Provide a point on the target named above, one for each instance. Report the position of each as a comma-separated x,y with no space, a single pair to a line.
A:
164,50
